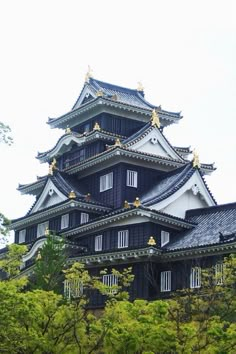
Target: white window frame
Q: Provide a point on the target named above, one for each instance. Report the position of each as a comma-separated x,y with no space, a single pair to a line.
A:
73,288
132,178
166,281
84,217
41,228
64,221
22,236
110,280
106,182
98,243
165,238
195,278
219,273
123,238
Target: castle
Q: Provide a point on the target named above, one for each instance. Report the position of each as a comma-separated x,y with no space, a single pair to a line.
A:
118,190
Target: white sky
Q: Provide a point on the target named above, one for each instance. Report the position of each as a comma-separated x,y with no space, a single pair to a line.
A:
184,53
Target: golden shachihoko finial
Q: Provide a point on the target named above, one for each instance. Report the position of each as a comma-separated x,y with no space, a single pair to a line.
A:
96,126
88,74
196,161
52,167
140,87
99,93
72,195
68,130
137,202
126,205
155,120
151,241
117,142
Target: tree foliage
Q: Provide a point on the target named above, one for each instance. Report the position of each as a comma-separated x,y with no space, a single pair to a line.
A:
5,136
42,321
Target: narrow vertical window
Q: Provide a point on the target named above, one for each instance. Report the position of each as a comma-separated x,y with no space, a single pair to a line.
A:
64,221
166,281
123,239
106,182
110,280
195,277
219,269
165,238
84,217
73,288
22,234
41,228
132,179
98,243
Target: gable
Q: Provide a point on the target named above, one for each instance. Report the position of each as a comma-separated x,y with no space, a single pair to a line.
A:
193,194
86,95
155,143
49,196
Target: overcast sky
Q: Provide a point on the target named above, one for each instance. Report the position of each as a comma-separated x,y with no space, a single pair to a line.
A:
184,53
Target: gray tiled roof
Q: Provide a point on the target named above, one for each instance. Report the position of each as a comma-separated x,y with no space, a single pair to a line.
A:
213,225
167,185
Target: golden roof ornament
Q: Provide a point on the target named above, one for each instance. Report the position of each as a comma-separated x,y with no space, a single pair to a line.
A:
96,126
151,241
99,93
68,130
137,202
47,232
126,205
155,120
52,167
88,74
117,142
114,97
72,195
38,256
140,87
196,161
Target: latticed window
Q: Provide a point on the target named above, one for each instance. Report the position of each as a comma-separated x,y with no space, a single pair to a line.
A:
132,179
219,273
64,221
195,277
106,182
73,288
165,238
98,243
166,281
22,234
123,239
84,217
41,228
110,280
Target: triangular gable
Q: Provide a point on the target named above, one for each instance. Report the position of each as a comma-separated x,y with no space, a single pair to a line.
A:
86,95
49,196
155,143
193,194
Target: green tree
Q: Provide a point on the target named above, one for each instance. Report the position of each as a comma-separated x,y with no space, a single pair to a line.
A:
50,262
5,134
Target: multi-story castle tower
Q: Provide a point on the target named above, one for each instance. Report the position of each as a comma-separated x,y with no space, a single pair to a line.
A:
118,189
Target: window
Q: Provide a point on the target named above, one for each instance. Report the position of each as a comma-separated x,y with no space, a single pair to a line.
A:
73,288
123,239
98,243
195,277
166,281
64,221
165,238
132,179
22,234
84,217
110,280
106,182
42,228
219,269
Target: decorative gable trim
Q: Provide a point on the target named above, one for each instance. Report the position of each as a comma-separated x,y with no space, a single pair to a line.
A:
49,196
